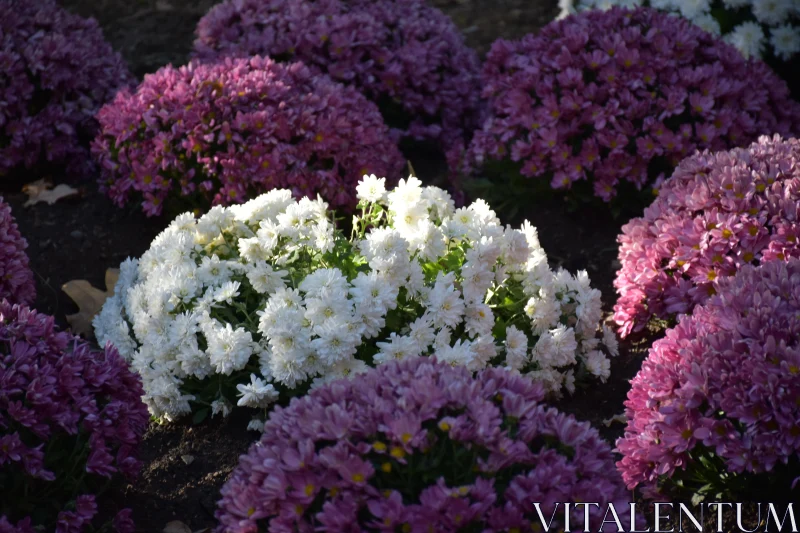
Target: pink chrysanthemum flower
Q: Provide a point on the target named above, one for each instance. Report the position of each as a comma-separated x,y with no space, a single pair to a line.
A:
57,72
621,96
717,399
16,278
718,212
223,132
70,419
419,446
404,55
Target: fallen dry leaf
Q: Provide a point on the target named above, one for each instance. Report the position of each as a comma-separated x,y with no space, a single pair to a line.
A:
40,191
620,418
176,526
89,301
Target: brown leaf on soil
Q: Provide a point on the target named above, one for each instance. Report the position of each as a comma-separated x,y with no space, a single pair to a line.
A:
40,191
176,526
89,301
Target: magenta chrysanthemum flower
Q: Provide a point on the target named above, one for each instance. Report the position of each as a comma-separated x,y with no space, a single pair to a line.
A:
718,212
717,399
57,72
419,446
70,419
406,56
622,96
225,131
16,278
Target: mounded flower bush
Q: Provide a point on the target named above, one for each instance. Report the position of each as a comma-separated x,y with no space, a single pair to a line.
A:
420,446
16,278
718,212
268,297
605,99
71,420
57,72
406,56
714,408
757,28
227,131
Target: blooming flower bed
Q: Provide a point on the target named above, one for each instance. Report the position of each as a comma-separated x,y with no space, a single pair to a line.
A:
268,296
718,212
714,407
16,278
406,56
70,420
602,99
757,28
231,130
420,446
57,72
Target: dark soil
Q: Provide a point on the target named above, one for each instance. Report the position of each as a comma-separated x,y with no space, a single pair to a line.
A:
79,238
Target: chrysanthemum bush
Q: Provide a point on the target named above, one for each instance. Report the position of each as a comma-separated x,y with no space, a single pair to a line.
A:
420,446
227,131
269,296
71,420
714,408
718,212
605,99
16,277
57,72
406,56
757,28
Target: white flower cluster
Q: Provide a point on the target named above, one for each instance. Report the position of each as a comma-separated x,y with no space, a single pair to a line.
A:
773,23
270,297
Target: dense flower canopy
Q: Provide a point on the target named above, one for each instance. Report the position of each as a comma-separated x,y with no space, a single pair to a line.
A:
269,297
228,131
406,56
757,28
622,96
720,391
718,212
57,72
70,418
420,446
16,278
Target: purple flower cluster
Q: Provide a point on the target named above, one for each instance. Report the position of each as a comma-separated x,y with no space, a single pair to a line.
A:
622,96
69,417
718,212
418,446
57,72
16,278
225,131
723,385
406,56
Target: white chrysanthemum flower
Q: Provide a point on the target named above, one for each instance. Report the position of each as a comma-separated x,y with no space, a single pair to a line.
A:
229,349
516,345
256,424
371,189
772,12
785,40
257,393
692,9
566,8
397,348
598,365
439,201
748,38
221,407
708,23
610,341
